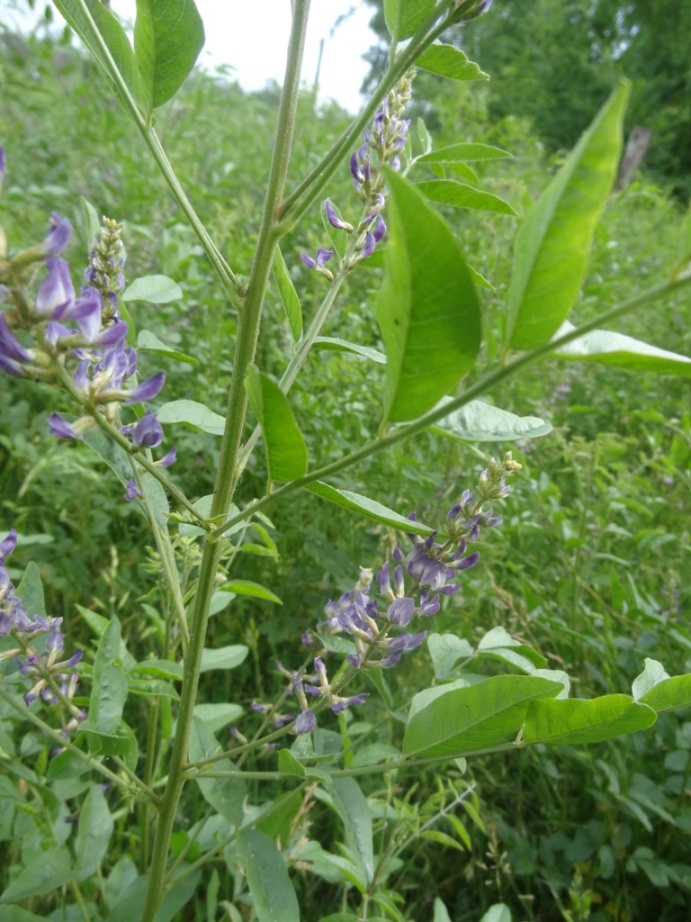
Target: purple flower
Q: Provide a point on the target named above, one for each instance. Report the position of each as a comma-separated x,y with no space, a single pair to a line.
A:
8,544
148,389
333,218
146,433
11,350
58,235
401,612
2,164
168,459
305,722
323,257
132,491
56,291
61,429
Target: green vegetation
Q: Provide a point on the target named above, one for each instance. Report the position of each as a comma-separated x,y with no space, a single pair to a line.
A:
588,575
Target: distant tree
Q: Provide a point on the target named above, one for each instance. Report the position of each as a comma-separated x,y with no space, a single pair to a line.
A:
555,61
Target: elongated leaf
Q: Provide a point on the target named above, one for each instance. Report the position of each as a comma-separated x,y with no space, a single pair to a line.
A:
607,348
226,795
30,591
500,912
342,345
441,913
109,688
224,657
674,692
159,669
461,195
247,587
130,901
428,311
168,36
553,244
286,452
149,342
404,17
192,414
93,833
267,876
475,717
217,716
448,61
289,297
114,38
575,722
460,153
47,871
370,508
478,421
354,810
157,289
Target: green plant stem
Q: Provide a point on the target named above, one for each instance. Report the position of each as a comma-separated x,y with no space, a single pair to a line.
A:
486,383
248,332
152,141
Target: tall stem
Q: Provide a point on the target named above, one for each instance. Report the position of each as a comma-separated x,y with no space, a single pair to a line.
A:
248,332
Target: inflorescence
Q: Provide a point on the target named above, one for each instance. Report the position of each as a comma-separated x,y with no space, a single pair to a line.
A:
83,335
410,587
53,678
382,144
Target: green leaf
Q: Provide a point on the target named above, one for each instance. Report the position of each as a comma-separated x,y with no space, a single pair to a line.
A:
113,36
553,244
461,195
478,421
652,675
460,153
608,348
192,414
156,289
99,625
168,36
286,451
30,591
45,872
224,657
404,17
370,508
499,644
341,345
446,650
289,764
574,721
289,297
91,220
93,833
217,716
671,693
428,310
149,687
272,892
354,810
159,669
500,912
277,820
474,718
441,913
130,901
109,688
448,61
226,795
149,342
247,587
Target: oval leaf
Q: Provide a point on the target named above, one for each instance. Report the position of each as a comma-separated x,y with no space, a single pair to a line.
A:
168,36
428,311
267,876
286,451
224,658
478,421
289,297
575,722
370,508
226,795
673,692
354,810
157,289
474,718
461,195
247,587
149,342
217,716
404,17
460,153
342,345
448,61
193,414
607,348
93,833
553,244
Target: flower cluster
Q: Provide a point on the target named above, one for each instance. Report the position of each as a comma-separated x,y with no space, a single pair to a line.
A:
411,588
53,679
382,144
79,341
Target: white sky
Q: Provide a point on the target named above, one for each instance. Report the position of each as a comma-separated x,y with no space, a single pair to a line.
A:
251,36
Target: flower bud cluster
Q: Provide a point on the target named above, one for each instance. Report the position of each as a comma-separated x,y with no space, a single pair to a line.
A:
382,144
411,588
53,679
82,335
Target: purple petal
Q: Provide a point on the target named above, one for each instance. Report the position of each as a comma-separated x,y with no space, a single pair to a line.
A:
132,491
370,244
8,544
61,429
87,313
169,458
148,389
308,261
401,612
333,218
305,722
56,291
113,336
148,432
2,164
58,235
323,256
379,229
10,346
